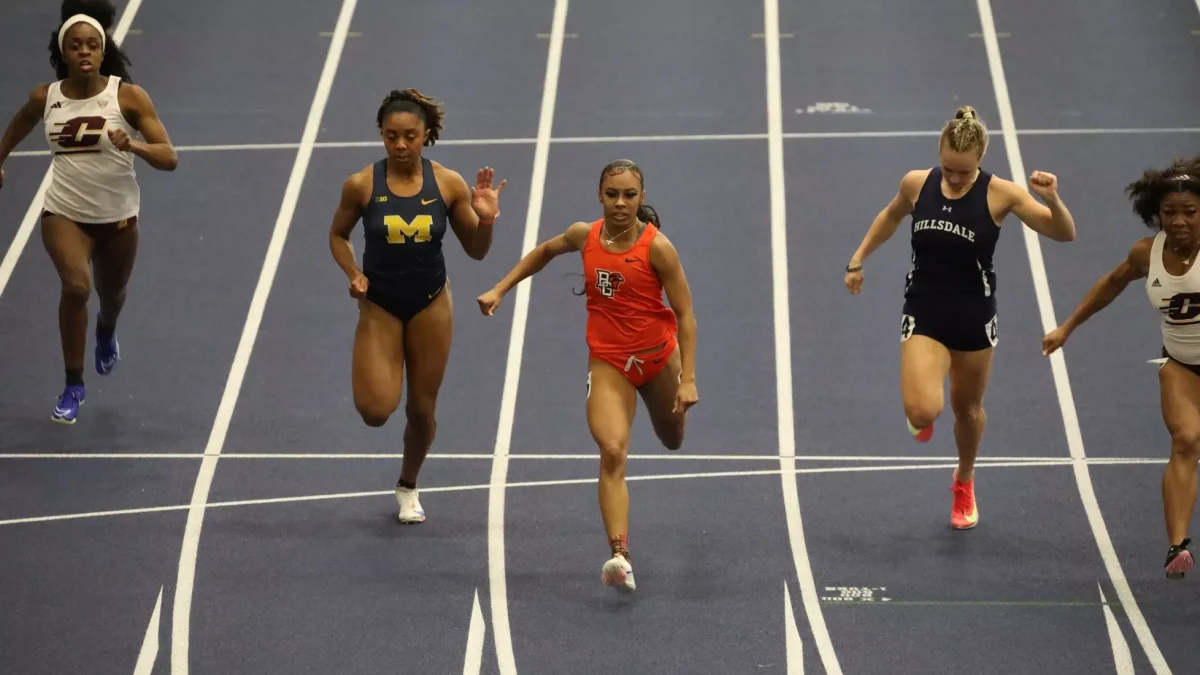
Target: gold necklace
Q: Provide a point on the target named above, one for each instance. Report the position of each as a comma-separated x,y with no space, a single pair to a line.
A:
610,240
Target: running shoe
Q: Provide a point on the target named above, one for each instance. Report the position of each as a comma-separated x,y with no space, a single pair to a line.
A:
965,513
107,351
410,506
1179,560
618,573
66,410
922,435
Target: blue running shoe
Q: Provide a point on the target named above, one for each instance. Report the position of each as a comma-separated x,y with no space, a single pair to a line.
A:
107,351
67,408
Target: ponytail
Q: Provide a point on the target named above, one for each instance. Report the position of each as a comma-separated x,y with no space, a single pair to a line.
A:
647,214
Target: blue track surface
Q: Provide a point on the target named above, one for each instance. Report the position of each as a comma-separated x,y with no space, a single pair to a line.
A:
300,566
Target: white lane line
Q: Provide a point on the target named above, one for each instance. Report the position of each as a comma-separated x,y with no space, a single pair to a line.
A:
1058,363
9,263
517,456
1122,658
487,486
783,343
497,579
791,135
149,652
1007,461
181,616
793,644
473,662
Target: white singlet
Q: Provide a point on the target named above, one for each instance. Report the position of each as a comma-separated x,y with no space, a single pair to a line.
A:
1178,300
93,181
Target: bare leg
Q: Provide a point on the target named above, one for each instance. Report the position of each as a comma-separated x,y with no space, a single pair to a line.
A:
924,364
659,396
969,375
377,365
70,249
429,335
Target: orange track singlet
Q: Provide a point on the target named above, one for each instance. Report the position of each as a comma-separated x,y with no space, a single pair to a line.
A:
626,309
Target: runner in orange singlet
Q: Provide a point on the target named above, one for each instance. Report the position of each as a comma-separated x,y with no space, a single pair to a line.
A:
637,344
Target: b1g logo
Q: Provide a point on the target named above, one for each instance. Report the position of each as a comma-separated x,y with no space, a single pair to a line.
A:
609,282
79,132
1182,308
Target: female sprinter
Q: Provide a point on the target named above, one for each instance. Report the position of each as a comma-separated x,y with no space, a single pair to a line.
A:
948,326
631,334
405,313
1169,202
90,218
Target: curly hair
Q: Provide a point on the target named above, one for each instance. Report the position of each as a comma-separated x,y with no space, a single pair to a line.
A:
115,62
1148,192
413,101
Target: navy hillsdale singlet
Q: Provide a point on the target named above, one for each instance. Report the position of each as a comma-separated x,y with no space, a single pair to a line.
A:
950,292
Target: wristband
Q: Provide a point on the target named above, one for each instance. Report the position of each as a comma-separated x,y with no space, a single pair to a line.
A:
854,269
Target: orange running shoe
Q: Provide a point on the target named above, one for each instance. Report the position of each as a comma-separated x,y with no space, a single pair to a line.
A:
922,435
965,513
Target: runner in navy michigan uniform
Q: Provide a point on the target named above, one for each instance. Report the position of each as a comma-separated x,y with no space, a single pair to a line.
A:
949,321
406,317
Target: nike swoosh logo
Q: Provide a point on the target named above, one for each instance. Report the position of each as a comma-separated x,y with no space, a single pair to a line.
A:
428,202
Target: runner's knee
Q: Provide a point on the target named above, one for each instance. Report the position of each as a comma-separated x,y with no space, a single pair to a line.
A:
671,436
420,413
613,453
76,288
923,411
373,415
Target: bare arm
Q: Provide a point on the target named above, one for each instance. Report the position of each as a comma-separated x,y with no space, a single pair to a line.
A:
23,122
885,224
157,149
1103,292
474,212
1051,219
1135,266
533,262
570,240
345,217
665,260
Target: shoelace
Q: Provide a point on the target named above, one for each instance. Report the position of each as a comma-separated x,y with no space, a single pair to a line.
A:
962,497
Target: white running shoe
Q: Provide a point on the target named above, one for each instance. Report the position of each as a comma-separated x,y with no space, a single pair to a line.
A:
410,506
618,573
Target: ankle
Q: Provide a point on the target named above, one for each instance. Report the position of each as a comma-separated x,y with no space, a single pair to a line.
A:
619,544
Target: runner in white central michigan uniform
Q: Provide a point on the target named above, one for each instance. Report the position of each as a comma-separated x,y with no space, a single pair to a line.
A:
92,116
1168,201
